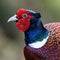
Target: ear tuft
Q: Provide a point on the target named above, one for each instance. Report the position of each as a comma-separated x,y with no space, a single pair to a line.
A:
37,15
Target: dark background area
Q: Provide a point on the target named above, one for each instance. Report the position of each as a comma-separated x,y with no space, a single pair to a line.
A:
12,40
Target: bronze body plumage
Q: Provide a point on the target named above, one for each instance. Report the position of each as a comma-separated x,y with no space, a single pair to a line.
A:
51,50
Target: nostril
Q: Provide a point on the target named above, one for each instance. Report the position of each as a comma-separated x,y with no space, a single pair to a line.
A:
17,17
16,21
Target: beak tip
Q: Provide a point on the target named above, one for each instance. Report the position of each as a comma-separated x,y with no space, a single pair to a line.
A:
8,21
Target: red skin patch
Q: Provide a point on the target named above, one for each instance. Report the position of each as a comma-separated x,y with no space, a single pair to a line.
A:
23,23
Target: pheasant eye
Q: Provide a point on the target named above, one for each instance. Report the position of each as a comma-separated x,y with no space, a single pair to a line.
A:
24,16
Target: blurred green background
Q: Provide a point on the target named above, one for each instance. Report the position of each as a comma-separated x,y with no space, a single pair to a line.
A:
12,40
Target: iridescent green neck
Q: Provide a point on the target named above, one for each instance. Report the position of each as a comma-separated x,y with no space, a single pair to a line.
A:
39,37
43,36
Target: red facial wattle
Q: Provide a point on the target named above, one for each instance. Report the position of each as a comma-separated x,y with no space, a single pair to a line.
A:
23,23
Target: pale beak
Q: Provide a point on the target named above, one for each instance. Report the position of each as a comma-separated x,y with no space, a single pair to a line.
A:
13,18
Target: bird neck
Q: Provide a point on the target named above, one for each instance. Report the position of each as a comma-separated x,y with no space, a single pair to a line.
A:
35,33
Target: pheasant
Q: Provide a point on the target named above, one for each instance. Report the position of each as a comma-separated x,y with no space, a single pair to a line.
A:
42,41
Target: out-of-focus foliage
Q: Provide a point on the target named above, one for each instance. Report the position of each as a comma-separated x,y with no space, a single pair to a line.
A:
12,40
